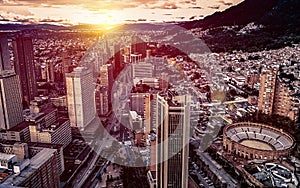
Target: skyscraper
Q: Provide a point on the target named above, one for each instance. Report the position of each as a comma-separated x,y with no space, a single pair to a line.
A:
150,112
10,100
25,67
81,98
50,70
103,91
117,60
106,76
278,95
4,53
267,91
138,46
172,138
101,97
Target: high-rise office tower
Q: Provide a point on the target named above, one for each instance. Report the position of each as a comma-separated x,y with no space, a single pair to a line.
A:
138,46
25,67
117,59
150,112
106,76
164,81
172,140
103,91
102,103
81,97
137,102
10,100
50,70
66,63
4,53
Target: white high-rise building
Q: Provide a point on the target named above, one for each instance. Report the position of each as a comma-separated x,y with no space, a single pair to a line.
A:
173,119
81,97
11,109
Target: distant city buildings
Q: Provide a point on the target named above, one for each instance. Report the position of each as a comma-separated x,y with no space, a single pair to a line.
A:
81,97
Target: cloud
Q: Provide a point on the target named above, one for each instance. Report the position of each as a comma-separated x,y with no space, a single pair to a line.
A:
196,7
92,5
96,5
214,7
19,10
130,20
192,17
228,4
30,19
225,3
2,18
48,20
166,5
53,11
24,20
192,2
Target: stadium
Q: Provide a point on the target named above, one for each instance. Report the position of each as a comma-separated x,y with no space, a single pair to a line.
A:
257,141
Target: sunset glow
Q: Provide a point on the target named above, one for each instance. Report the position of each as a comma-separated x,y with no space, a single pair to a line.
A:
107,12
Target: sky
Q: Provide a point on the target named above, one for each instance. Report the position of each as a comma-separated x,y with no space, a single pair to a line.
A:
107,12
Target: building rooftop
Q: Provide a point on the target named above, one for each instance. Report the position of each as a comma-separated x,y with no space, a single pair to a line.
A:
79,71
7,73
21,126
38,116
35,163
6,157
54,126
32,144
133,114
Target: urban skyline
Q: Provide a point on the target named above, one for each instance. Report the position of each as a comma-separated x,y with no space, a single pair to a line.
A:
213,102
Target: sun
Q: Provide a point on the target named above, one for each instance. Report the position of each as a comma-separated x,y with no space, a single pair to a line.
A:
108,27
